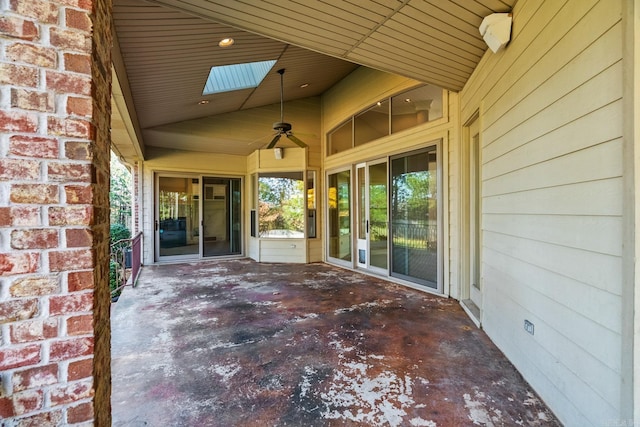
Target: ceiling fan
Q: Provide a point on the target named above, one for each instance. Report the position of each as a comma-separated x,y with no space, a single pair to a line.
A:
281,127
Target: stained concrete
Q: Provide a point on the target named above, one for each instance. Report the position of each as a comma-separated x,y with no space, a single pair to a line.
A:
238,343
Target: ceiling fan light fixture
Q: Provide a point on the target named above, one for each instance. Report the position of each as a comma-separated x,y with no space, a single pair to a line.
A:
226,42
282,127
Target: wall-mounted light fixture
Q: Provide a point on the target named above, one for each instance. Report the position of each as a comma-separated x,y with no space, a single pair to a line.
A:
278,152
496,30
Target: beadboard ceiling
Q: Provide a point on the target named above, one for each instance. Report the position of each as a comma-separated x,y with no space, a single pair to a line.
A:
164,50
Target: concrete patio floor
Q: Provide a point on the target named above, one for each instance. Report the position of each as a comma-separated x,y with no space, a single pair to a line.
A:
237,343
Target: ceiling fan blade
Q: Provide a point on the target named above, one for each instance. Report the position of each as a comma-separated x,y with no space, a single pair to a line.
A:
296,140
274,141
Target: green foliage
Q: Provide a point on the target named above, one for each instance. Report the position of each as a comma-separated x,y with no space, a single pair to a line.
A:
113,278
119,192
118,232
281,203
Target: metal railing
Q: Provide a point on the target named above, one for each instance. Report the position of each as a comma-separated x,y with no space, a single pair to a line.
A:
419,235
125,263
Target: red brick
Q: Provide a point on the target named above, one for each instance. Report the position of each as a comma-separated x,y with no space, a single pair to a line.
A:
80,369
18,28
73,128
79,194
34,146
78,63
80,281
35,377
45,419
79,106
68,83
34,286
70,39
78,19
70,349
24,216
42,11
35,193
18,121
6,407
15,310
79,238
71,393
5,216
80,325
28,401
65,172
75,150
80,413
19,169
18,263
32,100
71,260
71,215
33,330
33,54
16,357
42,238
18,75
72,303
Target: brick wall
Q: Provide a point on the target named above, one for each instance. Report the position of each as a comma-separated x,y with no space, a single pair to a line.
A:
55,88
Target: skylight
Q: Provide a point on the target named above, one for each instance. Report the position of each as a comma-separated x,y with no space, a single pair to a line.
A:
237,76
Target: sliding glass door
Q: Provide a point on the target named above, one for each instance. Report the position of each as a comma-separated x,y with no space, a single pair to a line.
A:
339,217
415,217
197,217
221,216
178,217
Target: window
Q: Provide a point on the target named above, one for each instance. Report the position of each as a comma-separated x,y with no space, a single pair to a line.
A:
281,204
228,78
371,124
405,110
340,138
311,204
416,106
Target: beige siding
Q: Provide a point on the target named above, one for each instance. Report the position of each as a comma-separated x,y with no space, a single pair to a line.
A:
454,212
552,187
283,250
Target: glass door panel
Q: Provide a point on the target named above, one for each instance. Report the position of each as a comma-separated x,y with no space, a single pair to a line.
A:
178,217
372,225
414,217
378,221
339,220
221,216
361,219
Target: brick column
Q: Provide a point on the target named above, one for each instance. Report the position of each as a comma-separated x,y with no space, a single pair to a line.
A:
55,87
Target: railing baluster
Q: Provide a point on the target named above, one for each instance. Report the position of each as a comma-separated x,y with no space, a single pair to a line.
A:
118,264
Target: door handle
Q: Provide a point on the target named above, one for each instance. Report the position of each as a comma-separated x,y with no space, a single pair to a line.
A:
367,226
156,225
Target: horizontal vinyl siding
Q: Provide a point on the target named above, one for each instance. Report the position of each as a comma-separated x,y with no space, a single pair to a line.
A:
551,116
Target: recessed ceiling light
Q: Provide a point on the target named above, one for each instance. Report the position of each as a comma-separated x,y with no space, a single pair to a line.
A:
304,85
226,42
203,101
407,100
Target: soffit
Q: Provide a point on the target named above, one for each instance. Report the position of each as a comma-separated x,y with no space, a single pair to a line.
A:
167,47
434,41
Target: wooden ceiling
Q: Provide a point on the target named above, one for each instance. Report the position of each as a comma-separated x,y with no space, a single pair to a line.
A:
165,48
